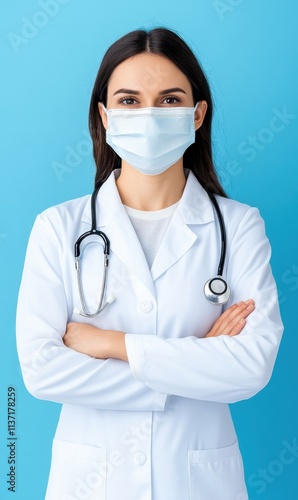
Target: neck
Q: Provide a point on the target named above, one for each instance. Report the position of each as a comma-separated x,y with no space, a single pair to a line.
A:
151,192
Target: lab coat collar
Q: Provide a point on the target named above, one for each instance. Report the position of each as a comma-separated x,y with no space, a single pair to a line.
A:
194,208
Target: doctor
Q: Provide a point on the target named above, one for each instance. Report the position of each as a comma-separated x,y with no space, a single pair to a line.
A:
145,384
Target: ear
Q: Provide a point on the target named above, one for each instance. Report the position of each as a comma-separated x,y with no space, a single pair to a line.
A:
200,114
103,115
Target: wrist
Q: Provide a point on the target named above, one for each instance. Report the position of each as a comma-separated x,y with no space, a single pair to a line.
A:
116,345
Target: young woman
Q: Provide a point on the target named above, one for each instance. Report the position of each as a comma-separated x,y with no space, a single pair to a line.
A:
145,353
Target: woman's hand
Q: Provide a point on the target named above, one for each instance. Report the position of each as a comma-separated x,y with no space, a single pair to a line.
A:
95,342
233,320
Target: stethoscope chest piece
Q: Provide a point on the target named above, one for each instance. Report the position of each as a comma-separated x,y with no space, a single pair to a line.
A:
217,291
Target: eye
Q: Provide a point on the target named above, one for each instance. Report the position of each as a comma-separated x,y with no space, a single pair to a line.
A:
128,101
171,99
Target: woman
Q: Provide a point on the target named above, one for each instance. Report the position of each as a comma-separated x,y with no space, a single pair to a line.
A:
145,384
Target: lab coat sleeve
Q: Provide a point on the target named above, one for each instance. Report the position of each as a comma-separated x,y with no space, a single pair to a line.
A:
221,369
52,371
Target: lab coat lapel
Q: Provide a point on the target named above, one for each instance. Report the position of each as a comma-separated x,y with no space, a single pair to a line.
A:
114,221
125,244
194,208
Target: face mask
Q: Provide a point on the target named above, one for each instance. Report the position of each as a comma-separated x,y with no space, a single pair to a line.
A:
150,139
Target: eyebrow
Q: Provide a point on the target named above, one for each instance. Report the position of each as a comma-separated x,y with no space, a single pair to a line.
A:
137,92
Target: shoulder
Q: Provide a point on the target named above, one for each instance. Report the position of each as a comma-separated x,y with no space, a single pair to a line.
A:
61,218
236,210
232,206
240,218
233,211
66,208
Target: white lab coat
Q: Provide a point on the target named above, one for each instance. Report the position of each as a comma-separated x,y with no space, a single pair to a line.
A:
158,427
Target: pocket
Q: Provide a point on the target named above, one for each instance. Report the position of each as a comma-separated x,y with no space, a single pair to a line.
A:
77,472
216,474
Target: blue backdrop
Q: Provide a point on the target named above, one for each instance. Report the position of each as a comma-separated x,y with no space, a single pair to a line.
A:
50,53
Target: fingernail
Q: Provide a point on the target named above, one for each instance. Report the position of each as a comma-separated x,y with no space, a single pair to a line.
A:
250,301
250,306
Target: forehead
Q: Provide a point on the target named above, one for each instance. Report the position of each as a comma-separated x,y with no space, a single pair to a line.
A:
147,72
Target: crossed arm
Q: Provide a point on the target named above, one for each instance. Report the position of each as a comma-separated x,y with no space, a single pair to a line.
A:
104,344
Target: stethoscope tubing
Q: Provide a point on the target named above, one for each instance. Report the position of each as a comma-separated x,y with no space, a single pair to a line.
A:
222,235
213,294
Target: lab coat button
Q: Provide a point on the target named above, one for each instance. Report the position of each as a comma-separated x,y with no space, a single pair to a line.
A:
146,306
139,458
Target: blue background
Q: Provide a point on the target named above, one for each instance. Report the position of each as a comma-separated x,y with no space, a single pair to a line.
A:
50,53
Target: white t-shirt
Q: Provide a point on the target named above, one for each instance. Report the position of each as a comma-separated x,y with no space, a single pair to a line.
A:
150,227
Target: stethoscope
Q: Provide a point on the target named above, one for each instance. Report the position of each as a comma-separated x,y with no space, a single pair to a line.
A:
216,289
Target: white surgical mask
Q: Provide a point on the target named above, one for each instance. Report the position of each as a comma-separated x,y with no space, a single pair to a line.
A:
150,139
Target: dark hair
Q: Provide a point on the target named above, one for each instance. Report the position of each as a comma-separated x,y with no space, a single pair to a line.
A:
198,156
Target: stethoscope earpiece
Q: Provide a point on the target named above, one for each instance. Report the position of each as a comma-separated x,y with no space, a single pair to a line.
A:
217,291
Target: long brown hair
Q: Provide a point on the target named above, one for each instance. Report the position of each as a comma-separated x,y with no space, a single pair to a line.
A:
198,156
